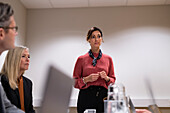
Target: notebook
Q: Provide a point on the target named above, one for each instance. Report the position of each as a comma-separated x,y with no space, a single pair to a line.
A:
57,92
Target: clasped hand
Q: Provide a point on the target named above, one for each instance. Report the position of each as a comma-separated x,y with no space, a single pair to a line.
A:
94,76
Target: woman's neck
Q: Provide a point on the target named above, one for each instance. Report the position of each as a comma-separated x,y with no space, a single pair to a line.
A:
95,50
20,74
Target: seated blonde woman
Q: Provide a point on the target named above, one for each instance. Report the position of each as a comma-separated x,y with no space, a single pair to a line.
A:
17,87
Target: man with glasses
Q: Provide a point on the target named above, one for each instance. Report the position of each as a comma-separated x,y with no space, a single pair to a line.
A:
8,31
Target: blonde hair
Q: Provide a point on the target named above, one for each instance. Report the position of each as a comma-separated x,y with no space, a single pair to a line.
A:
11,66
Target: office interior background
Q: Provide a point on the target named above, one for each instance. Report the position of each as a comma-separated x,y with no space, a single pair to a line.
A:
136,36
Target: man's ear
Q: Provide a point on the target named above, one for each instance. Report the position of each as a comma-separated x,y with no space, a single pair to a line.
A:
2,33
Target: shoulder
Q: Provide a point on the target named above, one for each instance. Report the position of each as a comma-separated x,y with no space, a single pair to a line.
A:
4,79
107,56
27,80
5,82
83,56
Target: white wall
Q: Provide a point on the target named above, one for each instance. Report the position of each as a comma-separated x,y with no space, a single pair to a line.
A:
20,18
137,38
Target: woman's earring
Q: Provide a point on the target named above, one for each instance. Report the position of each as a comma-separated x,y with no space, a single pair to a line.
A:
102,40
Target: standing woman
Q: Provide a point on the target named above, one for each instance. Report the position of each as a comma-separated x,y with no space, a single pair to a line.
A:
93,72
17,87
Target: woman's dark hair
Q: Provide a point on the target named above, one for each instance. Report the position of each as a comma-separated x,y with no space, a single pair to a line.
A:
6,12
91,31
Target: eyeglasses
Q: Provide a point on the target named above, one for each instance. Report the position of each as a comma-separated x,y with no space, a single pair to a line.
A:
13,28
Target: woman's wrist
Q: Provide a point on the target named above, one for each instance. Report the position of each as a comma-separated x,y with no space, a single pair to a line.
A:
84,80
107,79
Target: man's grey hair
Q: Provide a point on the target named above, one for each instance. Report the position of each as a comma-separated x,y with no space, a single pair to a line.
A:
6,12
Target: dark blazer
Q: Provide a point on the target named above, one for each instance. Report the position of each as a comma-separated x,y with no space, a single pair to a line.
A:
5,104
13,95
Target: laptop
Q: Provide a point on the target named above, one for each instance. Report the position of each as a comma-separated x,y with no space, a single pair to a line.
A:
57,92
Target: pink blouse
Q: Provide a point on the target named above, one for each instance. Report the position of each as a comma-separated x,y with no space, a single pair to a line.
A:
84,67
